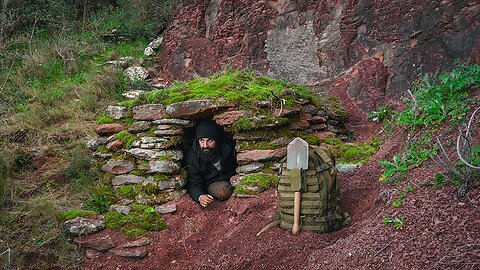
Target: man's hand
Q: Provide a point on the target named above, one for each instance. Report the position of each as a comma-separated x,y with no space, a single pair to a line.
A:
205,200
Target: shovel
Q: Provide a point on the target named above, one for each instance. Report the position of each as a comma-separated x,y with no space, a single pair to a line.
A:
297,159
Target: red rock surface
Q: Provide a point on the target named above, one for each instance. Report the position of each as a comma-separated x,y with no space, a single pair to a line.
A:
387,44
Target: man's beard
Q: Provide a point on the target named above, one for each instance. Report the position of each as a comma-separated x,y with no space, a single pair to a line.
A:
210,154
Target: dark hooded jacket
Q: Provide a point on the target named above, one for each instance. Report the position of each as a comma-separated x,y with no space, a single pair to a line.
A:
201,172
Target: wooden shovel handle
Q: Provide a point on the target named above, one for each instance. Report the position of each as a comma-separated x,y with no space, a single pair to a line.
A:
296,213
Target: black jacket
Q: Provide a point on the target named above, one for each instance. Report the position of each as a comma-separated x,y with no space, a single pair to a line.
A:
202,173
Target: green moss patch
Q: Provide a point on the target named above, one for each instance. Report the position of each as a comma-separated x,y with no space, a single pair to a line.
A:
138,222
76,213
356,153
259,180
104,120
127,138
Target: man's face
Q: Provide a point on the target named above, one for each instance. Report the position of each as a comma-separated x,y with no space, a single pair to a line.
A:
207,144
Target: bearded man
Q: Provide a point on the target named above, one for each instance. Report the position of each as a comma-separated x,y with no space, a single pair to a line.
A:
211,162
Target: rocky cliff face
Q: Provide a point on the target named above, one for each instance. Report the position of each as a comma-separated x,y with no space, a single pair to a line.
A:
365,51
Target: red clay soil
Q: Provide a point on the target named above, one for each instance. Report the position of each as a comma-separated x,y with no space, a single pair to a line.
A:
439,232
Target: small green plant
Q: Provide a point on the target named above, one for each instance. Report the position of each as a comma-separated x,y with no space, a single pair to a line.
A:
399,201
396,222
434,100
100,199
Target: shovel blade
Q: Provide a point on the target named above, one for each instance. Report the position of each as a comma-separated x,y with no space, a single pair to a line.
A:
297,154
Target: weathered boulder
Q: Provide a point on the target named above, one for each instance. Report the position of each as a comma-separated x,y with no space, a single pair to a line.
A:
110,128
166,208
150,154
150,143
250,168
81,225
101,244
164,166
136,73
148,112
229,117
140,126
135,252
173,121
260,155
142,241
116,112
118,166
122,209
192,109
123,179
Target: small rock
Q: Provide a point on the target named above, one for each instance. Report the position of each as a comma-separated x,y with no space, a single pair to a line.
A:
286,112
324,134
180,122
344,168
116,112
91,253
170,132
118,166
150,154
137,252
148,112
250,168
81,226
148,51
124,210
117,144
317,119
101,244
136,73
228,118
123,62
165,209
93,144
156,43
133,94
140,126
260,155
300,124
318,127
164,166
110,128
138,243
127,179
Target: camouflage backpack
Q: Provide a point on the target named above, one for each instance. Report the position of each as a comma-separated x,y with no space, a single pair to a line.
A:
320,198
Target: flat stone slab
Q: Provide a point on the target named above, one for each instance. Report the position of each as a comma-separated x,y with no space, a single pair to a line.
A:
118,166
166,209
164,166
260,155
82,226
150,154
136,252
110,128
173,121
228,118
250,168
140,126
148,112
122,209
192,109
101,244
138,243
127,179
116,112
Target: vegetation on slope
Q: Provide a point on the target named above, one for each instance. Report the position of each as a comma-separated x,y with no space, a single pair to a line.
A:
441,98
53,86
